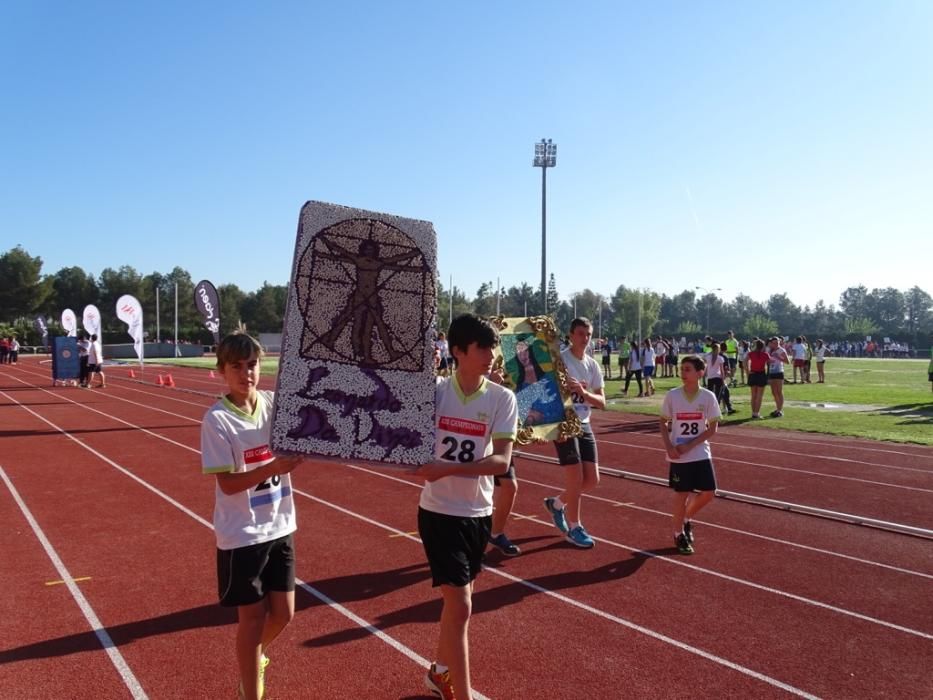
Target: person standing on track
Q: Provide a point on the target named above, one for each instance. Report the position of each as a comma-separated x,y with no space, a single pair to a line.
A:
689,417
758,361
776,361
476,423
95,362
254,511
578,454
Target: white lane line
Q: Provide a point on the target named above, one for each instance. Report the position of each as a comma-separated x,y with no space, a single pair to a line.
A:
780,435
667,516
391,641
783,469
832,458
717,574
116,658
683,646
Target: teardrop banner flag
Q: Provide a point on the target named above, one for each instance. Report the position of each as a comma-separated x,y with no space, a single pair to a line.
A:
42,329
208,303
70,322
91,320
131,313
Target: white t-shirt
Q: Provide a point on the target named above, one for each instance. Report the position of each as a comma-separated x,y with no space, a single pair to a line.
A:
634,359
84,346
821,354
443,347
715,370
95,354
587,372
466,427
232,442
690,417
777,360
647,355
800,351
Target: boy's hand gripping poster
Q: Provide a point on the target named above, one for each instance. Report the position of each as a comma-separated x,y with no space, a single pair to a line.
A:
356,375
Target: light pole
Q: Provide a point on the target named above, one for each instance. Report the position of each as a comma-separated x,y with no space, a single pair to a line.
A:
708,291
545,157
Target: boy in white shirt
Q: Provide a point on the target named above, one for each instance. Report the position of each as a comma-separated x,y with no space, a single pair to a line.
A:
254,512
476,423
689,417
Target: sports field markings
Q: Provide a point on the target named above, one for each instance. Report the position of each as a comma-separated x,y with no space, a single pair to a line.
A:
612,502
74,580
683,646
116,658
699,569
391,641
779,468
840,441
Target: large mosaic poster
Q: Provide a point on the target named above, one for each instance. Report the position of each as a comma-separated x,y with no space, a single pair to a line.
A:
529,358
356,374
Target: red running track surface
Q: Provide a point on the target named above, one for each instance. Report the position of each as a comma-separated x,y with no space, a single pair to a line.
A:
773,604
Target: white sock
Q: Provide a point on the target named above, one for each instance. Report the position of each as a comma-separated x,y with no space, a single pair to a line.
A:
558,504
573,525
494,535
439,668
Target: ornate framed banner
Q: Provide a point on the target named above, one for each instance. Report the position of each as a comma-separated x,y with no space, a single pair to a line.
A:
529,356
356,374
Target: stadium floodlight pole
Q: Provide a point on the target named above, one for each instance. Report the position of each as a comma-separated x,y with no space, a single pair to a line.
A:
708,291
545,157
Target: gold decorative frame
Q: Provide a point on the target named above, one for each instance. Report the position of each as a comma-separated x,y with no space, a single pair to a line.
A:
545,351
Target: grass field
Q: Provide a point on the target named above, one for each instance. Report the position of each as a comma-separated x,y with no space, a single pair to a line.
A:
877,399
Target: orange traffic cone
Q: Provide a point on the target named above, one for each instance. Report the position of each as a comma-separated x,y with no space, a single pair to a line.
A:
132,374
159,381
169,381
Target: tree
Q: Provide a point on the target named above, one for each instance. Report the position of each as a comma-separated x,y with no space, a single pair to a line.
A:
113,284
759,326
485,302
711,311
231,303
22,290
888,310
854,301
784,313
634,308
461,305
858,328
73,288
919,312
264,309
520,301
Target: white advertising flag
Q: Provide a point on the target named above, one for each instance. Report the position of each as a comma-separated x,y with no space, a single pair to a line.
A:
70,322
91,320
131,313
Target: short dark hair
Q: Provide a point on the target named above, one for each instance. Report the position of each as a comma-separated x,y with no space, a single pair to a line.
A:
470,328
759,344
580,321
237,346
698,364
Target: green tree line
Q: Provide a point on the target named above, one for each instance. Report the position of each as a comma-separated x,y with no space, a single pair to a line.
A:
25,292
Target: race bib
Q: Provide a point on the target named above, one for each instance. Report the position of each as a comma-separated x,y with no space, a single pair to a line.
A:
686,426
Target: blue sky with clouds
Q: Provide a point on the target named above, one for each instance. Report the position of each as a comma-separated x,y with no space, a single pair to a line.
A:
757,147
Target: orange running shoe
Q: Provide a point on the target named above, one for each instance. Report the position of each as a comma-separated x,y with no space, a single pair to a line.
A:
439,683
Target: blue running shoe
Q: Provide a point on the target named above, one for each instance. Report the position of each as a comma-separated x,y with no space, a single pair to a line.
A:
557,515
580,537
505,545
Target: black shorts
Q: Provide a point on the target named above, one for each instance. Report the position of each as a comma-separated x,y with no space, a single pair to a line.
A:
508,474
779,377
93,368
246,574
607,360
578,449
757,379
692,476
732,363
454,546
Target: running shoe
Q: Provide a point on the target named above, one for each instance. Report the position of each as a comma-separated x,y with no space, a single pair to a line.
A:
505,545
557,515
730,411
777,414
439,683
263,662
580,537
688,531
683,545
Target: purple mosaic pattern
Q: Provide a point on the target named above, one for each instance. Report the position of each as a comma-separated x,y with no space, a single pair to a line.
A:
356,374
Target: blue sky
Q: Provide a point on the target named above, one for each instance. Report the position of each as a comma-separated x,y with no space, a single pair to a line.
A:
757,147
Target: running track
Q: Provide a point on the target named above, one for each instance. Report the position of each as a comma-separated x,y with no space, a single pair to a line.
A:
109,582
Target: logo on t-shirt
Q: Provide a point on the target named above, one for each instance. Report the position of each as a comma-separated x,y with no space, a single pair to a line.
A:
257,454
461,426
